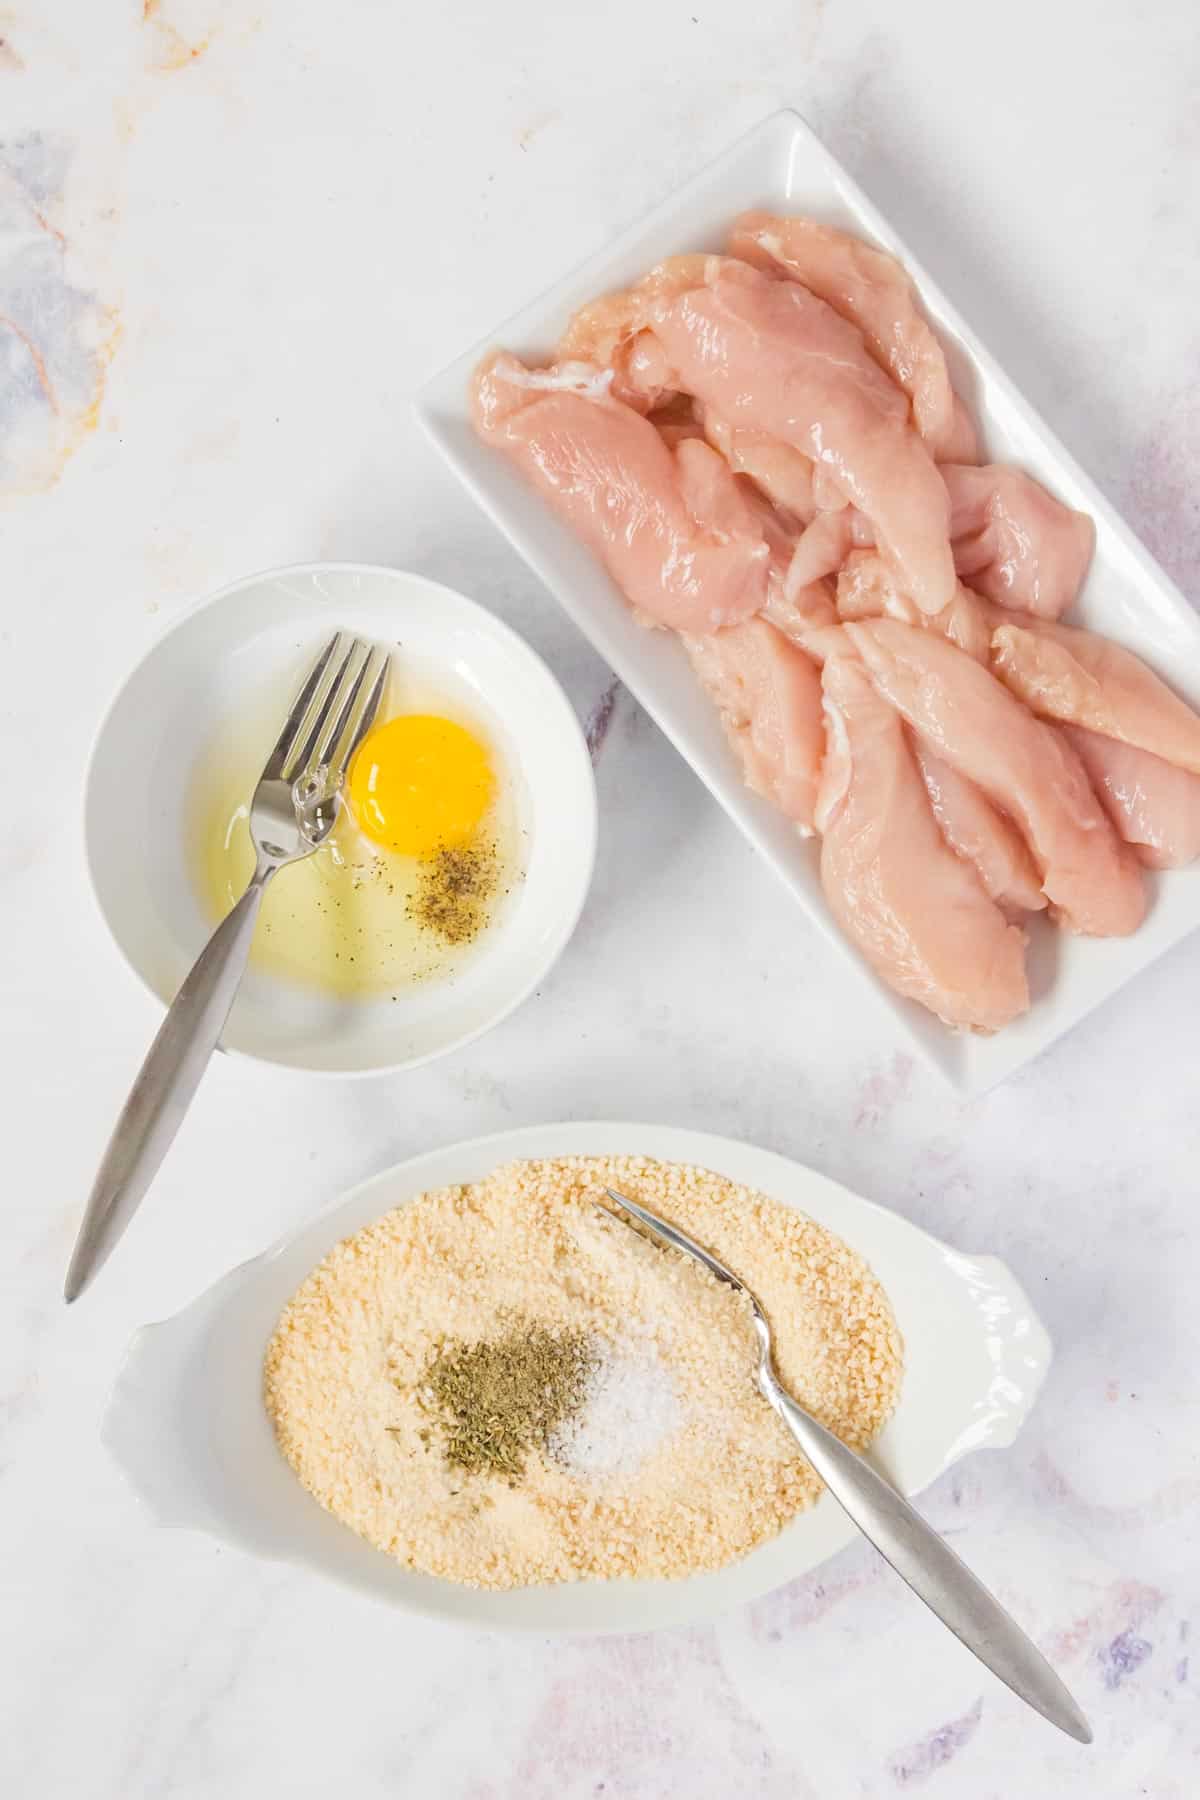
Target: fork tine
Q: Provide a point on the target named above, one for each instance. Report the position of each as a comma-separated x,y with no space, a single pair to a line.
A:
675,1239
301,758
366,717
332,736
300,705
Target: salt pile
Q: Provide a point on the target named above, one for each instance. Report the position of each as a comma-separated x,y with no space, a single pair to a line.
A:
630,1408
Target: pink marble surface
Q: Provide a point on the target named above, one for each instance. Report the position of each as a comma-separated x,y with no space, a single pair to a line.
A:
232,241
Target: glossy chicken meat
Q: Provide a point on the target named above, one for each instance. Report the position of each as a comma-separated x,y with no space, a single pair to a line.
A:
766,452
1060,672
1011,540
1024,766
871,289
916,911
675,420
768,694
1014,542
782,474
806,616
768,359
613,333
826,543
1084,679
671,526
1154,805
772,356
610,333
867,589
984,837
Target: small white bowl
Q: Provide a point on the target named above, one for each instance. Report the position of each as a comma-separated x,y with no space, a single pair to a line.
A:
219,660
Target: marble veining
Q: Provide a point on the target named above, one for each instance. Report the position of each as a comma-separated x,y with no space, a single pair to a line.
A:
56,338
233,240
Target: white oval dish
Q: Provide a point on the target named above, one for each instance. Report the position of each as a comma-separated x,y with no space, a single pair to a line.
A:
187,1424
783,166
215,664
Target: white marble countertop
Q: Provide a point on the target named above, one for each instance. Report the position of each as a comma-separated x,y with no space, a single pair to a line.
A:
232,240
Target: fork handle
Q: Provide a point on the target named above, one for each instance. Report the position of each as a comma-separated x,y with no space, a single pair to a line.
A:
932,1570
165,1085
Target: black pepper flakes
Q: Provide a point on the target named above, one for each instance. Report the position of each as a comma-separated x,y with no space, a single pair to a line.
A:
454,890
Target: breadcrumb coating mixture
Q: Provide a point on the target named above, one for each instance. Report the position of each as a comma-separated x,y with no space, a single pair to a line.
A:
705,1473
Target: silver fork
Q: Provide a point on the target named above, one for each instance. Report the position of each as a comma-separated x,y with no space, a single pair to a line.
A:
292,812
916,1552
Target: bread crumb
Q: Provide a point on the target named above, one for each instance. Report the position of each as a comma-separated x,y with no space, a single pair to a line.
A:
344,1370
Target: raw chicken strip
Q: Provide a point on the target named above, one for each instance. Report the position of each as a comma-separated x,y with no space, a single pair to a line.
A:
623,332
1015,542
871,289
770,355
827,495
609,332
971,825
806,617
1024,766
915,910
1083,679
672,527
785,475
984,837
769,697
675,421
867,589
827,542
1154,806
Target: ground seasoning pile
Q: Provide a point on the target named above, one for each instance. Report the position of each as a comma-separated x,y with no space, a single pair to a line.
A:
500,1384
502,1397
455,888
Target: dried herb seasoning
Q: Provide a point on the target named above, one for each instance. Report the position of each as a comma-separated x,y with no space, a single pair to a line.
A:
503,1397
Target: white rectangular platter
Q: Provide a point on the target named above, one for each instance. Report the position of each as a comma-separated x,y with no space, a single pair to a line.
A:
782,165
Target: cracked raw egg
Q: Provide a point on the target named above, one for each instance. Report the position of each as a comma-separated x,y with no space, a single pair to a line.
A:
420,783
417,869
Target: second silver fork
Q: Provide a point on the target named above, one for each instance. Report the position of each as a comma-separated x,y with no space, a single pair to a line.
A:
292,812
919,1555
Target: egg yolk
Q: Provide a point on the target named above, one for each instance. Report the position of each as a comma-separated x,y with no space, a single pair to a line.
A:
418,783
